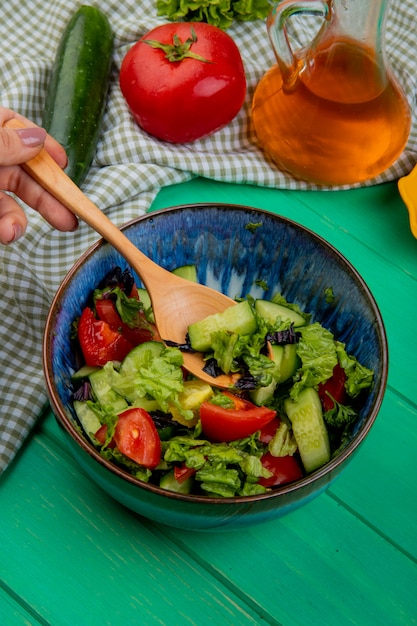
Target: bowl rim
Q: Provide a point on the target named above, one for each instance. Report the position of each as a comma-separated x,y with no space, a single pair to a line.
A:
318,475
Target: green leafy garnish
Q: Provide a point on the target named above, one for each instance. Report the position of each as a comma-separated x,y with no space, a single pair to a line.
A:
253,226
340,415
329,295
220,13
262,283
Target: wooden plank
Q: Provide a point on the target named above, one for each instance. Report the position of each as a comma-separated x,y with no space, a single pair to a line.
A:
67,550
380,484
12,612
86,543
319,565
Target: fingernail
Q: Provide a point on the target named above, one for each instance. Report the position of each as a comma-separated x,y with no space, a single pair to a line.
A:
17,232
32,137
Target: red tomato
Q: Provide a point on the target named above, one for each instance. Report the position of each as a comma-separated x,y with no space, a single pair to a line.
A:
221,424
285,469
137,438
268,431
101,435
181,99
335,386
182,473
106,311
99,343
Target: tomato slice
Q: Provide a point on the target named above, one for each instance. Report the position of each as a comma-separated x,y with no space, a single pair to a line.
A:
107,312
101,435
285,469
335,386
221,424
100,343
182,473
137,438
268,431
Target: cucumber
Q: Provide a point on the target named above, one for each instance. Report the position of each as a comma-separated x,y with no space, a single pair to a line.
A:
144,297
287,358
195,392
238,319
263,395
84,372
77,90
139,356
310,432
103,392
169,482
87,418
270,311
288,361
189,272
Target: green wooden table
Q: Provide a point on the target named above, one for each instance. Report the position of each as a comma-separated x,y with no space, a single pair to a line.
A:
71,555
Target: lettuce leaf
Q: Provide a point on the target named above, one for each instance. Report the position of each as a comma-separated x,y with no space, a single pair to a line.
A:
317,352
159,378
359,377
223,469
220,13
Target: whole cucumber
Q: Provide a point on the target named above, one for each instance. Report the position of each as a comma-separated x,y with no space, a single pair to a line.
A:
77,91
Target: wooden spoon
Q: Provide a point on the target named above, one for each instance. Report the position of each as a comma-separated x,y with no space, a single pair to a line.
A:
407,186
176,302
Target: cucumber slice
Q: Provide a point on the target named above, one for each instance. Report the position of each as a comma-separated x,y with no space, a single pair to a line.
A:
309,429
263,395
271,311
195,392
238,319
169,482
139,356
87,418
84,372
144,298
287,358
105,395
189,272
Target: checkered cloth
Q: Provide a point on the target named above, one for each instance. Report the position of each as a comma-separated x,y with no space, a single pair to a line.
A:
129,169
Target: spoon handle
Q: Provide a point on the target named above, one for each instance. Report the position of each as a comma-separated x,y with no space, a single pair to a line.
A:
51,177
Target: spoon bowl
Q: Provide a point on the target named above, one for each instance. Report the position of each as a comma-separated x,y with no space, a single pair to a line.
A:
176,302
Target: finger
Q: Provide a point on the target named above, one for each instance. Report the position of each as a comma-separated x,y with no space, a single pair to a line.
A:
16,180
12,220
20,145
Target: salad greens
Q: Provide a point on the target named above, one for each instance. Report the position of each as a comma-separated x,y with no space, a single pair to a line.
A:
220,13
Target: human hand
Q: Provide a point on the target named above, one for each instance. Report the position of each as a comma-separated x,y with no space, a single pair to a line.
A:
16,147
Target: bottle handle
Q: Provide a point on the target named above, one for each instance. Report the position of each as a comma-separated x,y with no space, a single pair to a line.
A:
288,62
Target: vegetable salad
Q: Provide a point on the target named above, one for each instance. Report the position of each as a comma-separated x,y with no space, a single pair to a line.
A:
295,399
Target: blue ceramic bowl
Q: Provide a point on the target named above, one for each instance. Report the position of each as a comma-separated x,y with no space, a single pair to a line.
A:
230,256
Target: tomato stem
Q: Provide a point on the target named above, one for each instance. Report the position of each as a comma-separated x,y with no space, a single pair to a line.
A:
178,50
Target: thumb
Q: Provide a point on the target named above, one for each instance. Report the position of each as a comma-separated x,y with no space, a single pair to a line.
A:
20,145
